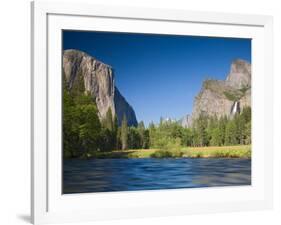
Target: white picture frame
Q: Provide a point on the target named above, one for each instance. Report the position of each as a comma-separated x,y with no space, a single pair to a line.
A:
48,205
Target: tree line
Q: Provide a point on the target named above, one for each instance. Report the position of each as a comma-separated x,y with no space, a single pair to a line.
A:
84,133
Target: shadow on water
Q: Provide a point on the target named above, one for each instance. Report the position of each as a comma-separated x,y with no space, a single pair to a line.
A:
103,175
116,155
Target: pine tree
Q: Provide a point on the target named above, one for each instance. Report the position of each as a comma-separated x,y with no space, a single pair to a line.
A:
152,134
187,137
134,139
216,137
115,132
248,133
231,133
108,134
108,121
201,130
124,133
118,144
146,141
89,127
246,117
211,130
240,129
222,125
141,131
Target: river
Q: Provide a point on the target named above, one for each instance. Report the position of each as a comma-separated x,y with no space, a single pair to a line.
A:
104,175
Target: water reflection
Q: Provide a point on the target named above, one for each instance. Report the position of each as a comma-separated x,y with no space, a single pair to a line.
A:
103,175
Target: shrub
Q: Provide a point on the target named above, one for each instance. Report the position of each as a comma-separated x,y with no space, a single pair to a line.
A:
171,150
231,96
167,154
161,154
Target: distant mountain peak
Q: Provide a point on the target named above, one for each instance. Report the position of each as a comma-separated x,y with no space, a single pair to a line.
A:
240,74
224,97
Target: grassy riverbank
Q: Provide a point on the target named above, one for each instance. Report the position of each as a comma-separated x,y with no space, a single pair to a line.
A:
239,151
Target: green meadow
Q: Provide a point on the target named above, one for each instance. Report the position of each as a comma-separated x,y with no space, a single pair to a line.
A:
239,151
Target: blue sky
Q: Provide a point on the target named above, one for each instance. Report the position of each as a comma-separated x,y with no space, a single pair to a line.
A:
159,75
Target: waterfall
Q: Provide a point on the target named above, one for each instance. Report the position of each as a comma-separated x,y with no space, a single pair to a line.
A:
235,108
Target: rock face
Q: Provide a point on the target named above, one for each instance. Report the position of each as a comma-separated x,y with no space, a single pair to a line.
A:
122,107
89,75
185,121
225,97
240,74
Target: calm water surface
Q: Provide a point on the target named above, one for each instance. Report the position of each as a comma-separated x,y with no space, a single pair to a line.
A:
102,175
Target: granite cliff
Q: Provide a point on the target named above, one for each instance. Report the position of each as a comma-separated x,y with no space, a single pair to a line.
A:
225,97
95,77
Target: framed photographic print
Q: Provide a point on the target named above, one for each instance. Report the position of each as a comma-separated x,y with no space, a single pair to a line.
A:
149,112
